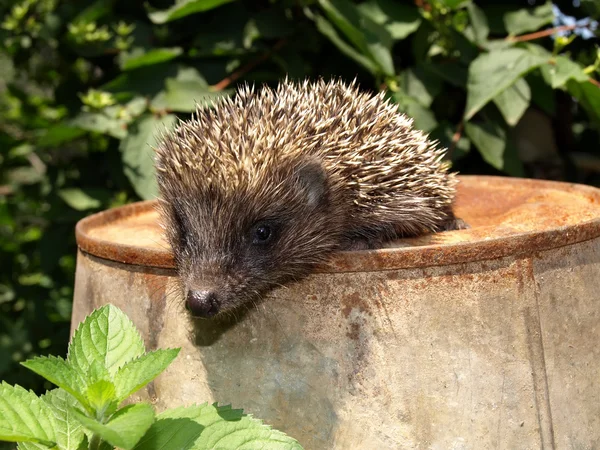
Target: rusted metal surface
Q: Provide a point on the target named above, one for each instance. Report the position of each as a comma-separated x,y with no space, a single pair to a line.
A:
508,216
476,339
130,234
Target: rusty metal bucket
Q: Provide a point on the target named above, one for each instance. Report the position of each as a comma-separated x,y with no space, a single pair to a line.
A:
480,338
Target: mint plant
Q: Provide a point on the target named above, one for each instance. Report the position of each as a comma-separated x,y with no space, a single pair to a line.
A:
106,363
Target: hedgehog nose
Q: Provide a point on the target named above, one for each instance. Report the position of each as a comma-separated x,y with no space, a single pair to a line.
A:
202,303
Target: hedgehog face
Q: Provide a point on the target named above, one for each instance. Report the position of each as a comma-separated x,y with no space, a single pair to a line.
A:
232,247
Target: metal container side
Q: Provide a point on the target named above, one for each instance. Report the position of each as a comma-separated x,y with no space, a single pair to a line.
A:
480,338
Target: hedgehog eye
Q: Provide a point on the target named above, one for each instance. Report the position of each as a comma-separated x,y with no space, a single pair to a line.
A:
262,233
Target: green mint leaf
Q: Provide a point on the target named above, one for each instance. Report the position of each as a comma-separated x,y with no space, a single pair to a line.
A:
25,417
57,371
166,434
139,372
125,427
101,397
222,427
96,372
106,339
69,432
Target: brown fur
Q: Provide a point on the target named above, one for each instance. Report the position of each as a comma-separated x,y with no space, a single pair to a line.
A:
322,164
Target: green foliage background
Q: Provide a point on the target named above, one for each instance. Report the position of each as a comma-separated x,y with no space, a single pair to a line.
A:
84,85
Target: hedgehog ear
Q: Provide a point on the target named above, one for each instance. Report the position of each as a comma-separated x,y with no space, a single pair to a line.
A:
313,179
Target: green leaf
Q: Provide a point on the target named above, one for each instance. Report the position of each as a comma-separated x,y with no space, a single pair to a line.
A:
514,101
559,71
101,396
146,81
588,95
491,73
184,8
345,16
452,72
78,199
491,141
367,36
399,19
528,19
537,49
125,427
137,154
59,372
381,53
466,49
69,433
100,122
136,106
420,84
222,427
455,4
422,116
171,434
479,23
330,32
498,44
138,57
542,94
96,10
139,372
59,134
187,90
25,417
105,340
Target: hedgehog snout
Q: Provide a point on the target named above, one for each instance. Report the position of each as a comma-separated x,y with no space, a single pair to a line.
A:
203,303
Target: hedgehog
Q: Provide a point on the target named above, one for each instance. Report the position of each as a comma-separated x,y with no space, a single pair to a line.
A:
260,188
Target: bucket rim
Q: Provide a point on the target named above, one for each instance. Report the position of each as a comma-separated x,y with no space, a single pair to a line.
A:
519,244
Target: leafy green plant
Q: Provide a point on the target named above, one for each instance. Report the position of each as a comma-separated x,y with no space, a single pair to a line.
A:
106,363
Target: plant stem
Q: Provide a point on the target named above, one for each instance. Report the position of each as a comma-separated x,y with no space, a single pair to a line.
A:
543,33
95,442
